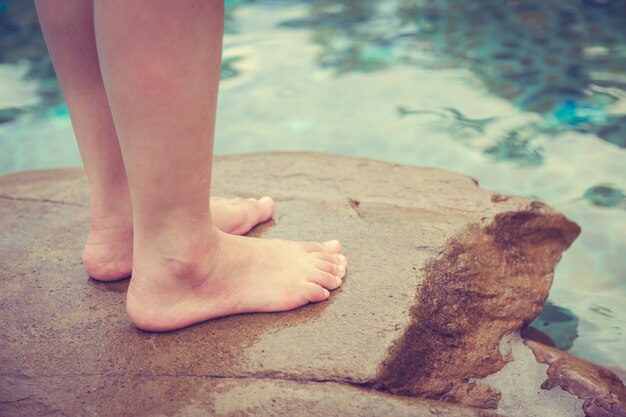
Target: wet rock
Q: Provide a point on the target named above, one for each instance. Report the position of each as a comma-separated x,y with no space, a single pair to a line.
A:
537,335
184,395
439,274
520,381
602,391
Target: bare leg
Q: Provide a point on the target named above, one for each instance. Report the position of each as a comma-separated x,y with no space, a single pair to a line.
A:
68,27
161,61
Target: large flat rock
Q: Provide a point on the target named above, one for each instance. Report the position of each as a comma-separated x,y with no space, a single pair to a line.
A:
440,271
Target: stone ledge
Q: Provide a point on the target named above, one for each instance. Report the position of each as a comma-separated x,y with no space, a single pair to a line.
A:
602,391
440,272
202,396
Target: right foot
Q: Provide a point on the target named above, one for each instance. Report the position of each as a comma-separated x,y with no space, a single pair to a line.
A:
108,253
230,275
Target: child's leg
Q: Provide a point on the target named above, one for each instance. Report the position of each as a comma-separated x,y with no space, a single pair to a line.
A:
68,27
161,65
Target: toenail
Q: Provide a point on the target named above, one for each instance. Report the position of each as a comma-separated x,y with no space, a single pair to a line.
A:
265,200
338,279
326,292
342,259
331,243
342,269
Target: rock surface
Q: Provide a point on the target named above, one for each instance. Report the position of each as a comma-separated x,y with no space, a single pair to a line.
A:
601,390
440,271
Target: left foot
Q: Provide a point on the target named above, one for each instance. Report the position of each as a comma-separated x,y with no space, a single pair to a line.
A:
108,253
237,216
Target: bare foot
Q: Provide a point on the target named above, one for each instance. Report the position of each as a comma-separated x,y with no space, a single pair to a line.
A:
237,216
230,275
108,253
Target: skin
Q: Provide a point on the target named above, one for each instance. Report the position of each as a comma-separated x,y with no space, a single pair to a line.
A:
68,27
142,94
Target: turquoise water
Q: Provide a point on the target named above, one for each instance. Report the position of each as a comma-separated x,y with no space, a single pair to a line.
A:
528,97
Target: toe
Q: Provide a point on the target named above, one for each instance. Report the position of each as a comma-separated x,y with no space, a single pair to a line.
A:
243,215
259,211
333,258
326,280
313,247
266,208
332,246
317,293
332,268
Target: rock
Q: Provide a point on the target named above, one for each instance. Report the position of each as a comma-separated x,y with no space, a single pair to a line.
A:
603,392
185,395
519,383
440,271
537,335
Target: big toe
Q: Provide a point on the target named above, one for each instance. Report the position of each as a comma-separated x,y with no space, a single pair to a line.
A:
331,246
266,208
249,213
259,210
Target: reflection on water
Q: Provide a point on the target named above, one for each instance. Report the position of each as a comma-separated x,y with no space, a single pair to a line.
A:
21,42
559,323
564,60
513,145
605,196
527,96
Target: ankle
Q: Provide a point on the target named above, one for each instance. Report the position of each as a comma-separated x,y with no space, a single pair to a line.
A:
112,210
109,221
110,216
178,254
162,275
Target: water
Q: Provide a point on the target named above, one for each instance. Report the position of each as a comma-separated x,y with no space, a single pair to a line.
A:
528,97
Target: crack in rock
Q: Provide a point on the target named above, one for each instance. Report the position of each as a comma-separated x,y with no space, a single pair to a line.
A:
40,200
